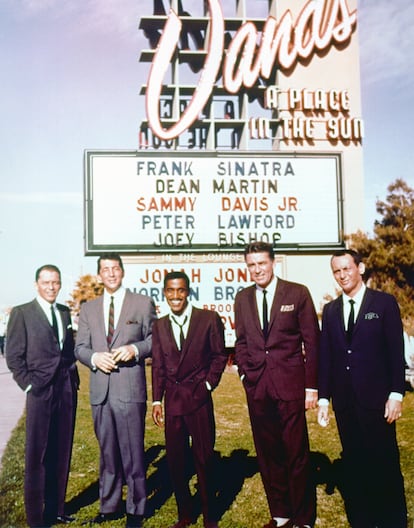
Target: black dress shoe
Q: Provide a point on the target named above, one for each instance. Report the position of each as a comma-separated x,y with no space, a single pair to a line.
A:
64,519
133,521
182,523
104,517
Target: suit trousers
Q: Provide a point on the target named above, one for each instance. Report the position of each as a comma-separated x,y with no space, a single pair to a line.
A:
282,446
373,485
50,422
119,428
200,427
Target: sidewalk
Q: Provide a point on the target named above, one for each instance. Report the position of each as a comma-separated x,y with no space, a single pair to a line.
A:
12,401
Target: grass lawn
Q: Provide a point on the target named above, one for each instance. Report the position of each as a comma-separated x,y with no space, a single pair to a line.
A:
241,499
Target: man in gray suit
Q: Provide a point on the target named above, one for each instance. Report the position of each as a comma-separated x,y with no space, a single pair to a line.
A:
114,338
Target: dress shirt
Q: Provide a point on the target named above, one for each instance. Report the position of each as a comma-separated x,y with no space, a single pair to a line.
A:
174,319
270,292
346,305
46,308
118,296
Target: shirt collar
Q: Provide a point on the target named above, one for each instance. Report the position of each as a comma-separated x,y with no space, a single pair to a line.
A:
187,313
45,305
270,288
119,294
358,296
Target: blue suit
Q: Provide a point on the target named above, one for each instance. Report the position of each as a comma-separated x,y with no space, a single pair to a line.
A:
359,377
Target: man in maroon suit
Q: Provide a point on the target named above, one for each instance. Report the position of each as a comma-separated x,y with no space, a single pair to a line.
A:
277,337
188,358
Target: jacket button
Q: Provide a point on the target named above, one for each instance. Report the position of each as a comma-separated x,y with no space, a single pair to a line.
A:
347,368
349,351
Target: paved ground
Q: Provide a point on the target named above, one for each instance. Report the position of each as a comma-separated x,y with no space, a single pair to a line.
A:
12,401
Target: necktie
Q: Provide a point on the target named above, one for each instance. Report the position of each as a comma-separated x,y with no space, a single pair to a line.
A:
264,313
351,322
181,330
110,322
54,322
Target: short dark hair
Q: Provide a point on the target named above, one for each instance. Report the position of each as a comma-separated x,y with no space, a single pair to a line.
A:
110,256
47,267
260,247
356,257
177,275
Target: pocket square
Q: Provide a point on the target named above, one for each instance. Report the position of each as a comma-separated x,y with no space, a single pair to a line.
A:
371,315
287,307
132,322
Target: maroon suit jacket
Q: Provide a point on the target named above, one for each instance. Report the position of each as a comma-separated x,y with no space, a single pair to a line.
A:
289,355
181,376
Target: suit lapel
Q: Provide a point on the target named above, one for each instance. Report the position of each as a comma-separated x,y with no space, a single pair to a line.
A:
339,316
362,310
253,308
123,316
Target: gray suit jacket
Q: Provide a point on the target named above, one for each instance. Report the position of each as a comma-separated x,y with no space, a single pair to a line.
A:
134,328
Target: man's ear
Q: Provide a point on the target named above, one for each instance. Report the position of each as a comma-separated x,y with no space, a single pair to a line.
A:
361,268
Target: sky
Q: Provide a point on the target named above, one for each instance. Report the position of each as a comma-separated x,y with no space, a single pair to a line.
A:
70,80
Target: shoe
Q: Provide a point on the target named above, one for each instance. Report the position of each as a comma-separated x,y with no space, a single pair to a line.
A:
273,524
182,523
211,524
104,517
64,519
133,521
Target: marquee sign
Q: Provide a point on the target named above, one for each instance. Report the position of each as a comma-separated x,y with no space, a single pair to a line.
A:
141,202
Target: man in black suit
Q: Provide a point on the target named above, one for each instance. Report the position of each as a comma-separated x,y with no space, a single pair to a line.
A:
113,340
40,356
362,370
277,338
188,358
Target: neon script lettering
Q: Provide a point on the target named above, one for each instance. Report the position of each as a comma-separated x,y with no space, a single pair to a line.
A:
283,42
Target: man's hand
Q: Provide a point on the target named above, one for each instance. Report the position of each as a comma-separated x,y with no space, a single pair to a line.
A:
157,415
323,415
104,361
311,399
123,354
393,410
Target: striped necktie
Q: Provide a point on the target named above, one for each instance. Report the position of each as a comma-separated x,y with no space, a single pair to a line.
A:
110,323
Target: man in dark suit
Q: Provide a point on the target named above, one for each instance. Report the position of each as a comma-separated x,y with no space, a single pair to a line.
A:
188,358
113,340
277,337
362,370
40,356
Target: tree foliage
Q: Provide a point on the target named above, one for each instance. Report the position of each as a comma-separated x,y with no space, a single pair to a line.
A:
88,287
389,254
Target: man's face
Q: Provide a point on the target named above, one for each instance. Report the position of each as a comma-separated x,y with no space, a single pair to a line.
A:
48,285
111,275
260,266
176,293
347,274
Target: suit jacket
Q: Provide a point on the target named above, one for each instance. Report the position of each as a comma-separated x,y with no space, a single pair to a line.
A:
290,352
182,375
33,352
134,327
373,363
